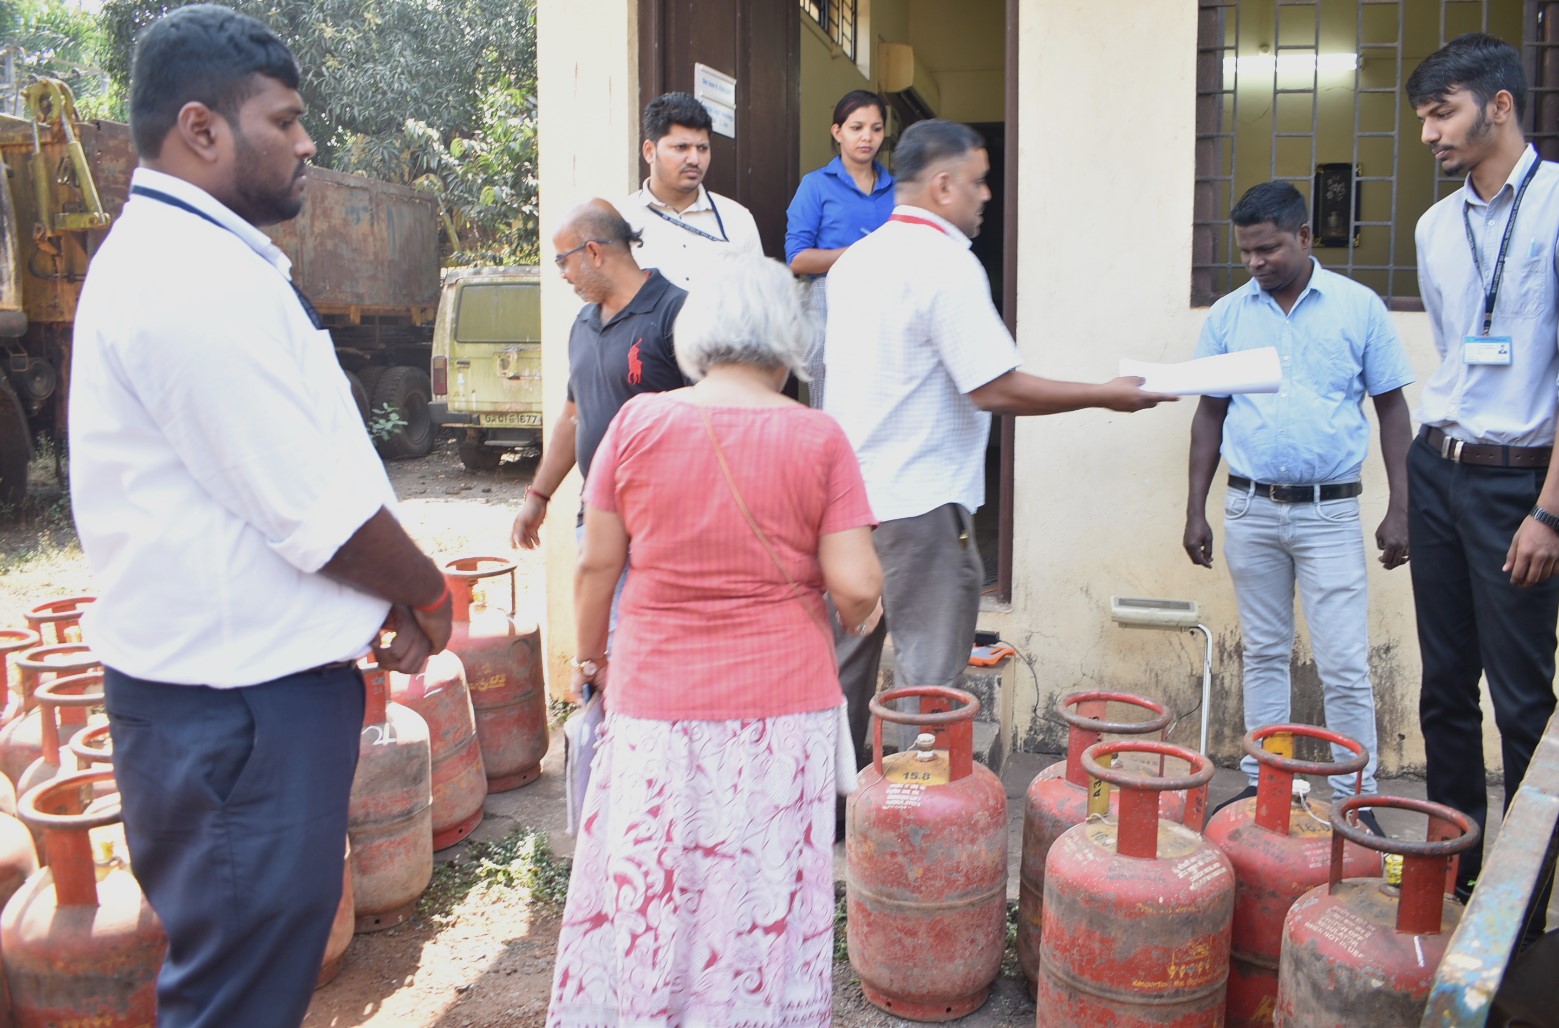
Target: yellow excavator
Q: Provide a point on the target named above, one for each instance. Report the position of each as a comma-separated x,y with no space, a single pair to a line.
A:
51,219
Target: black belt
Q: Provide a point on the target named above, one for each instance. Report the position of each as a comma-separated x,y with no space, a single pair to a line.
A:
1299,493
1489,455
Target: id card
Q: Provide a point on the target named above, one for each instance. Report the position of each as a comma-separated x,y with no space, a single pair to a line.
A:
1486,350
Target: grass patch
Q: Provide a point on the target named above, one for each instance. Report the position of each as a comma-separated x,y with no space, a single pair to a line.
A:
523,859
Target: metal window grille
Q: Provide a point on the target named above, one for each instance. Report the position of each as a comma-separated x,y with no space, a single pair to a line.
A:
1272,79
837,19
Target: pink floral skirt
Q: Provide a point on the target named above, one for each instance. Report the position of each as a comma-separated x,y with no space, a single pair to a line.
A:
702,889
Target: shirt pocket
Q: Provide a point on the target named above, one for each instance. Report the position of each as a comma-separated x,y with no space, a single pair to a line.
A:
1336,358
1527,289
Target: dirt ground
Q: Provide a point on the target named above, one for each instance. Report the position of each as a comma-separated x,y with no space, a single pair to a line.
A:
479,953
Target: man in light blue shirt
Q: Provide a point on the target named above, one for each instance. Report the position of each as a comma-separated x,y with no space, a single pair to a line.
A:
1292,508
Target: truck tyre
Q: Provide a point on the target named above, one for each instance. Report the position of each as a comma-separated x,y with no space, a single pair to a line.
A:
477,457
369,375
359,395
407,390
15,448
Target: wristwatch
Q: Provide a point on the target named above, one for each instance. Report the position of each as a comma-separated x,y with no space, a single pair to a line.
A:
1543,517
589,667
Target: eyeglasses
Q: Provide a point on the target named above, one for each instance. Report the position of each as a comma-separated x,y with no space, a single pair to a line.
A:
562,258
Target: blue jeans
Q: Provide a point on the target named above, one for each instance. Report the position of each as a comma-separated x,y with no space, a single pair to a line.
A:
1269,546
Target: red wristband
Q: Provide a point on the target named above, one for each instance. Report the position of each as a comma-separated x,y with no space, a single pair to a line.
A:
443,597
545,497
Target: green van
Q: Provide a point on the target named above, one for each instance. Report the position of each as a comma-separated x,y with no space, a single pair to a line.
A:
487,362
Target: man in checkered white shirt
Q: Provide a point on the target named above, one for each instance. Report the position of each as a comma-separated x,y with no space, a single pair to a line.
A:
912,328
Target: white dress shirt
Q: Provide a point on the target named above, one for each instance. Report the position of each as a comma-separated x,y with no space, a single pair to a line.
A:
1511,404
679,244
911,331
217,457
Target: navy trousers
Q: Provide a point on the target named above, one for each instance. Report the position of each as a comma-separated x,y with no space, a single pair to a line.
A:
1473,623
235,811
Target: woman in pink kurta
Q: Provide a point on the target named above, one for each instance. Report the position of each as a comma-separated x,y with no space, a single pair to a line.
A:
702,889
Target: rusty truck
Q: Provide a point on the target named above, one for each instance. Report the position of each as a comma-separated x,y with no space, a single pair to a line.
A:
366,252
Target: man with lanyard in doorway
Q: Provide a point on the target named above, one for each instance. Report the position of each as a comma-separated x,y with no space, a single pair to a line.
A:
1483,515
684,225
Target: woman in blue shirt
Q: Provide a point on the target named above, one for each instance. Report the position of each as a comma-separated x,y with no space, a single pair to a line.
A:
849,197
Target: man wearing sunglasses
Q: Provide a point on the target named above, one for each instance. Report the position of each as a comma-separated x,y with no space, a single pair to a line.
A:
620,346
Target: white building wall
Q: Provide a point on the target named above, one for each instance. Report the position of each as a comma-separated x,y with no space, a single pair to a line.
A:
1106,137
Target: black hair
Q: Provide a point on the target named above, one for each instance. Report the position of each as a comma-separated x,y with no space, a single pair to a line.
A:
1476,62
1277,202
670,109
201,53
854,100
603,224
926,144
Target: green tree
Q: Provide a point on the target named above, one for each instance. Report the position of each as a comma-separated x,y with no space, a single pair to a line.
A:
51,39
433,93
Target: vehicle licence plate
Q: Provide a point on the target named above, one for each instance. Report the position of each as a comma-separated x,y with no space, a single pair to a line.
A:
514,419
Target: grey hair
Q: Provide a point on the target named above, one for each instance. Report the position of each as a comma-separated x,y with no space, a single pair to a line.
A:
747,310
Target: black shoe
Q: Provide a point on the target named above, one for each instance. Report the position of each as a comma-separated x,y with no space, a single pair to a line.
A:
1367,819
1247,793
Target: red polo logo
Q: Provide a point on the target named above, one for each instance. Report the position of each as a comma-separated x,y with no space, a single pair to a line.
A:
635,365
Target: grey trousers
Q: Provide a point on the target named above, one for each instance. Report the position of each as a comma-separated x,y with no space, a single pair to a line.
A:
931,579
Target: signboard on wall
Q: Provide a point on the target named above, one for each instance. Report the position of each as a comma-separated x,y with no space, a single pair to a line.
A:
717,91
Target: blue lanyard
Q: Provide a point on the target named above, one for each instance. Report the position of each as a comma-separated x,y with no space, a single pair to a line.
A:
173,201
1492,292
721,238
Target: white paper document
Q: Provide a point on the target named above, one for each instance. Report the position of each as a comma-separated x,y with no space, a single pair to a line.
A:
1244,371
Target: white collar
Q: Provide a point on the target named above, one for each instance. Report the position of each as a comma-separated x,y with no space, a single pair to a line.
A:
184,190
648,199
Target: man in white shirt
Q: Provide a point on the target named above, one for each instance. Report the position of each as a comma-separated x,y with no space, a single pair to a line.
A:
239,530
1483,498
684,225
928,360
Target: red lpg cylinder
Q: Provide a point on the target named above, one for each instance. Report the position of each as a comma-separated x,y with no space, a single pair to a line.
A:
21,740
390,819
440,695
1137,908
59,621
93,747
926,864
1279,849
13,640
341,928
63,706
1058,799
81,944
1363,951
503,669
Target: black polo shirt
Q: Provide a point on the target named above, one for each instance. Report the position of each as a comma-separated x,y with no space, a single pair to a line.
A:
629,355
